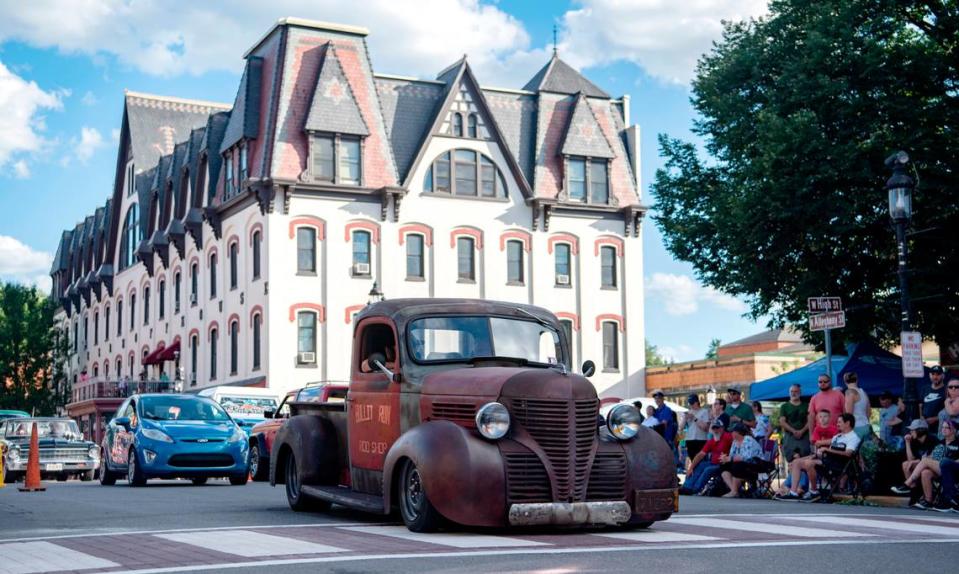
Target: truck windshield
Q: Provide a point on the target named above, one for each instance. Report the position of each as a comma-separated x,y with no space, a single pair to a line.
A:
246,407
459,339
66,429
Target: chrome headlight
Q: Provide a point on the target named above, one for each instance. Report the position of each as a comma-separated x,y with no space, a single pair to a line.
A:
492,421
14,453
238,435
623,421
156,435
93,452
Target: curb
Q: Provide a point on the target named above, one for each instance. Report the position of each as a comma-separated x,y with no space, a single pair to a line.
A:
881,501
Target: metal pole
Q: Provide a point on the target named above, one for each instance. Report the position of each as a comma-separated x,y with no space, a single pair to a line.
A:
909,396
829,355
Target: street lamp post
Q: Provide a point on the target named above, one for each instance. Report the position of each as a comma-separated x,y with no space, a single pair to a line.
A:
899,187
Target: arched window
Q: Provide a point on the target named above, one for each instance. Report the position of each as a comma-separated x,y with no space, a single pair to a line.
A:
213,344
257,327
306,337
177,280
471,126
610,346
213,276
361,253
234,346
466,259
514,262
256,254
161,298
414,256
464,172
562,264
305,250
457,124
194,355
96,327
119,366
146,305
130,237
234,263
608,266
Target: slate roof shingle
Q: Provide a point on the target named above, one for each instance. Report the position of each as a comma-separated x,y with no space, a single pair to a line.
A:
334,108
584,136
245,117
409,107
558,76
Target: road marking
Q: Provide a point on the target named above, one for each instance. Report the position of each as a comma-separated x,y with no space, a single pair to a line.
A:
249,544
657,536
29,557
766,528
454,539
521,551
934,529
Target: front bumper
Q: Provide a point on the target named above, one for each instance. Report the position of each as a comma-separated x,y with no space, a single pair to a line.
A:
569,513
55,466
189,459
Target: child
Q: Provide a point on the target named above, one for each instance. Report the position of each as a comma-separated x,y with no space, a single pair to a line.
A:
651,420
821,437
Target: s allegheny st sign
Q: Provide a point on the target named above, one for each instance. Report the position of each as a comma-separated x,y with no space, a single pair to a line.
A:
823,321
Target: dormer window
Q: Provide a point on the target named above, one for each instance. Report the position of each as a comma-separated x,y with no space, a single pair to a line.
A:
458,125
336,159
471,126
228,186
244,170
587,180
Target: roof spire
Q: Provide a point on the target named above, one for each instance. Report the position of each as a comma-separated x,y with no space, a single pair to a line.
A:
554,40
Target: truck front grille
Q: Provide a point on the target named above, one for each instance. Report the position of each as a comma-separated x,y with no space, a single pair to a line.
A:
566,431
63,455
526,478
607,480
456,412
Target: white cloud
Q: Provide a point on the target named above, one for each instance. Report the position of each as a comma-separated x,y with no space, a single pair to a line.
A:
88,99
21,120
87,144
115,135
664,37
681,295
22,264
21,170
678,353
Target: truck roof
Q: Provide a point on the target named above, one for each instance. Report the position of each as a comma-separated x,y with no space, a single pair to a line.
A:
403,310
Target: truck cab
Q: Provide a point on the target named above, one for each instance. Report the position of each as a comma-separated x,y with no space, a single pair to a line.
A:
468,411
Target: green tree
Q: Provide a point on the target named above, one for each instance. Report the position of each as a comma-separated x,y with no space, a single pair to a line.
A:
653,358
798,110
31,352
713,352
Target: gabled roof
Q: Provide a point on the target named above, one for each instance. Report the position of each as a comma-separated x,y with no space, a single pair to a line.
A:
463,74
334,107
558,76
409,107
212,137
245,118
584,136
61,259
157,123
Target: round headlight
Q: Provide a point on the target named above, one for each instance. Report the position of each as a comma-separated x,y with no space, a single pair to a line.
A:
94,452
623,421
15,453
492,420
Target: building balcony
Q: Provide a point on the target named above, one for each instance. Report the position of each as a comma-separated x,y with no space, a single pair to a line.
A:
92,390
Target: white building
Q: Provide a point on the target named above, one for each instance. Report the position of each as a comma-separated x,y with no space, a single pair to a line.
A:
245,237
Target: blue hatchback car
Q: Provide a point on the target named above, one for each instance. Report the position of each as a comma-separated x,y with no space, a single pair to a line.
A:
173,436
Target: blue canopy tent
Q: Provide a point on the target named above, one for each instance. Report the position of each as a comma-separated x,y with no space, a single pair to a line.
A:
878,370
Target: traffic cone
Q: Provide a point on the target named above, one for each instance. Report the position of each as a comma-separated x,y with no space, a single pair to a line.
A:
32,481
2,452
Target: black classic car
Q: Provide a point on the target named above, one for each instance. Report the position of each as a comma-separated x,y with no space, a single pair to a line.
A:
63,452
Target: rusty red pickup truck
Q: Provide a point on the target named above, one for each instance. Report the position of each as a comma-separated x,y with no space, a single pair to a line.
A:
467,411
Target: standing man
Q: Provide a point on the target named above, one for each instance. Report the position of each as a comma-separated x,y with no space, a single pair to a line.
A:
857,403
697,426
794,422
934,398
666,417
828,399
738,411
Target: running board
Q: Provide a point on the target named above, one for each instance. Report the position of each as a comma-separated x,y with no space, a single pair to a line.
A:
345,497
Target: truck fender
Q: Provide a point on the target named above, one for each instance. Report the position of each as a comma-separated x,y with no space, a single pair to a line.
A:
649,465
462,473
312,440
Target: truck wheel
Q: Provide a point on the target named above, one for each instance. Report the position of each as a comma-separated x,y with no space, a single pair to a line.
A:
87,476
107,476
298,501
199,480
418,512
258,471
134,474
239,480
634,524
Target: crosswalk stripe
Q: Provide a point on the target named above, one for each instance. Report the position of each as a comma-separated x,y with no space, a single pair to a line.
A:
656,536
766,528
248,543
453,539
33,557
934,529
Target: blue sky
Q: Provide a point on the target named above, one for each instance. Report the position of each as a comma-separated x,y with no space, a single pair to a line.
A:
64,65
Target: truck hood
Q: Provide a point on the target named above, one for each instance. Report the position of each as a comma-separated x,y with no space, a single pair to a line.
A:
494,382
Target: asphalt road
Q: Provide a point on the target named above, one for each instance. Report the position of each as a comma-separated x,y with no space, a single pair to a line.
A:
174,526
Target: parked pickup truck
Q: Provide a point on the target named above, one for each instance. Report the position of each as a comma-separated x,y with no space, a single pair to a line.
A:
467,411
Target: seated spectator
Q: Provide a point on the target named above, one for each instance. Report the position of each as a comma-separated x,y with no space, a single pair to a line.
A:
822,436
919,443
833,457
650,420
742,461
763,426
948,499
719,411
890,423
929,469
705,465
950,410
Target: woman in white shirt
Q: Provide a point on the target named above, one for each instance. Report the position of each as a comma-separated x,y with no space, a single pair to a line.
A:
740,464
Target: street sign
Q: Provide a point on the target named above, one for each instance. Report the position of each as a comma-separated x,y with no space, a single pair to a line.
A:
824,304
912,367
823,321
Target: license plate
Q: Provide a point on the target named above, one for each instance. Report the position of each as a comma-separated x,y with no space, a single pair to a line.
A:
653,500
54,466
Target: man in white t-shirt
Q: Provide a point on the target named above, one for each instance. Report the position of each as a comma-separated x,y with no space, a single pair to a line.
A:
834,457
696,420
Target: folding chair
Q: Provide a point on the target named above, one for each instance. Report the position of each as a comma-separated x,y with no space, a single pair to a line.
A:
762,487
847,475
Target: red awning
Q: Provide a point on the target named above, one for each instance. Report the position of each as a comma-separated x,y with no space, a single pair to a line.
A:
153,358
168,354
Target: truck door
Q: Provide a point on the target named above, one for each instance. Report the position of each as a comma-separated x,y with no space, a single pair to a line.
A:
372,404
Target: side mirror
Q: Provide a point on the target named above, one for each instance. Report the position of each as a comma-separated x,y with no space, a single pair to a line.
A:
378,360
268,414
589,368
122,422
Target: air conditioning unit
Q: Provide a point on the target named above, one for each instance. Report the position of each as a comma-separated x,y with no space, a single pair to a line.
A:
562,279
361,268
306,358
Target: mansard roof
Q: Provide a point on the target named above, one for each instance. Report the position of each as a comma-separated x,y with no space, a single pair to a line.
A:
584,136
245,117
334,107
157,123
409,107
559,77
61,260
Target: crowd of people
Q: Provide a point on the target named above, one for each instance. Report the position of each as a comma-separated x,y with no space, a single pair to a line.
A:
729,445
